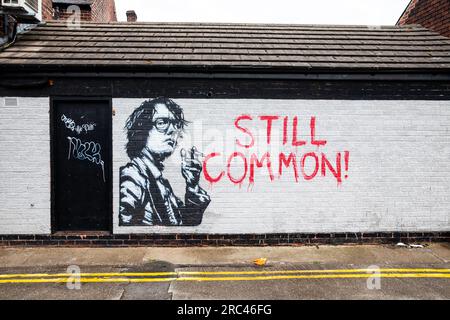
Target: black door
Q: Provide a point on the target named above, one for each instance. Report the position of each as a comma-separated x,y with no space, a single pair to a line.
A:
81,165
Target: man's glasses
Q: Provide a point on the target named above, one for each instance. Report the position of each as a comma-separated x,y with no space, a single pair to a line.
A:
163,124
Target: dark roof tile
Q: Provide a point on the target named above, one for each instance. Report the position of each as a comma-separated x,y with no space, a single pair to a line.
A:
253,46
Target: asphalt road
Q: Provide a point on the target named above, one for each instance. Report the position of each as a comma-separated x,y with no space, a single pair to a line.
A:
325,272
163,281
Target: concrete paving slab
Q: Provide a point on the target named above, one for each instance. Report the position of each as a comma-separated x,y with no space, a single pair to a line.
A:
441,251
45,256
308,254
131,256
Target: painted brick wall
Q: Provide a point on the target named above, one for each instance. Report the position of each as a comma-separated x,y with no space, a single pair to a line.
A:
24,166
432,14
398,175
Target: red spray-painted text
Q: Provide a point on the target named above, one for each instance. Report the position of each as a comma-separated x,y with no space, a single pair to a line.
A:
306,166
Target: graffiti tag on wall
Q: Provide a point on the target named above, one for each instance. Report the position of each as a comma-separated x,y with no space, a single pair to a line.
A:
83,151
71,125
89,151
322,164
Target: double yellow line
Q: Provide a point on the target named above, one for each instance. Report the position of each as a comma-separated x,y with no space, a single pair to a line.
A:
146,277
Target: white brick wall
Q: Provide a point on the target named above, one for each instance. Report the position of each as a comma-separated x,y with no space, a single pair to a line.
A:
399,168
399,174
25,167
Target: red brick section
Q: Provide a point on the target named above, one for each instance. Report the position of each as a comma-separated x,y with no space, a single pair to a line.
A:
99,11
85,14
47,10
104,11
431,14
182,240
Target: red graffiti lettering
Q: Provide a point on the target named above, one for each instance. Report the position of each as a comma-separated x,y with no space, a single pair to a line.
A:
310,162
254,160
244,130
316,167
346,159
206,172
230,159
287,162
313,134
269,120
285,130
295,142
336,172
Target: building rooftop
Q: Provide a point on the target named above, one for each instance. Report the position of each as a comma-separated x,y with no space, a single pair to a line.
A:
226,47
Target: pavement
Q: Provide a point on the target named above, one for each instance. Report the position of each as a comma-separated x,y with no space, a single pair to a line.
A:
226,273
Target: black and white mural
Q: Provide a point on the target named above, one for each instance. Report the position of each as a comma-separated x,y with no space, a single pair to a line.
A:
276,165
146,198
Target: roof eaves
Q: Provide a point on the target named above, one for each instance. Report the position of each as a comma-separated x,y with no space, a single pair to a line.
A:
212,69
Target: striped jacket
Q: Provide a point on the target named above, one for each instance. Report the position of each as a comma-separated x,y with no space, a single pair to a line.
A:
147,199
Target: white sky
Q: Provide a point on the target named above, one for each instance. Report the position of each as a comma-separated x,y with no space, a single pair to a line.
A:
363,12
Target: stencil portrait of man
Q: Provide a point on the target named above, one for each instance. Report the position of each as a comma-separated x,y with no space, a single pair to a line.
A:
146,197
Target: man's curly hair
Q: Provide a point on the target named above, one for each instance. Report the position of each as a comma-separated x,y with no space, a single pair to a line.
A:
140,123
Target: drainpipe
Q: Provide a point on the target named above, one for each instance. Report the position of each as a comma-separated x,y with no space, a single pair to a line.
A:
10,36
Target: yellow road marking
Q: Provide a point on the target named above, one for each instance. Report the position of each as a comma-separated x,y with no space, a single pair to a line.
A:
217,279
157,274
319,276
104,274
308,271
87,280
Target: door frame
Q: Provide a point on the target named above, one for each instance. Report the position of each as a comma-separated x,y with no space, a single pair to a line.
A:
108,157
